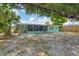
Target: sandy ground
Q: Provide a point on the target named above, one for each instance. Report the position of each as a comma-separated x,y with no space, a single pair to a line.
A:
47,44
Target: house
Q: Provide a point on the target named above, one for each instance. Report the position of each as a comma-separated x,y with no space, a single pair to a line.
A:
37,28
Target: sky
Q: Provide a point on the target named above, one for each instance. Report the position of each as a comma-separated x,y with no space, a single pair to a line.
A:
31,19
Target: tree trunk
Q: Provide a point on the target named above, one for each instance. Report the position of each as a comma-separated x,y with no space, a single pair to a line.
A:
7,31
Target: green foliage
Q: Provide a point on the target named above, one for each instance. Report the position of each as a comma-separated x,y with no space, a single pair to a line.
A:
1,31
57,19
31,9
59,11
63,9
7,18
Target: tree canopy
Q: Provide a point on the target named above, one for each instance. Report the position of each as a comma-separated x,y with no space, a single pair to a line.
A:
7,18
55,11
58,12
63,9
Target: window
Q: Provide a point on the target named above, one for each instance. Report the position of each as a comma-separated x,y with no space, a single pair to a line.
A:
30,28
52,27
35,27
40,28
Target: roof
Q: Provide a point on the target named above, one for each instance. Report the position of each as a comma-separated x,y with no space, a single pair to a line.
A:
39,23
32,24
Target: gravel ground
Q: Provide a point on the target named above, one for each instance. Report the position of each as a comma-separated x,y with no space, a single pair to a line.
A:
47,44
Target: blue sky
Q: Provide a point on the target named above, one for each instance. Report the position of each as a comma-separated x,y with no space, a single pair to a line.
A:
31,18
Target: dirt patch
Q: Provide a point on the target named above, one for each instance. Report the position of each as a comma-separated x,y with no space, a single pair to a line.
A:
47,44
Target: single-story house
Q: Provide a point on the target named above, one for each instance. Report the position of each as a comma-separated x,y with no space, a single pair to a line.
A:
37,28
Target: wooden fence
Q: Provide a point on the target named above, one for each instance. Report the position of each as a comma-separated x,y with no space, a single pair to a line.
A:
74,28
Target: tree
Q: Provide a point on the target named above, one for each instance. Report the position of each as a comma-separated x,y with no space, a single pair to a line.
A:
64,10
57,19
49,10
8,17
